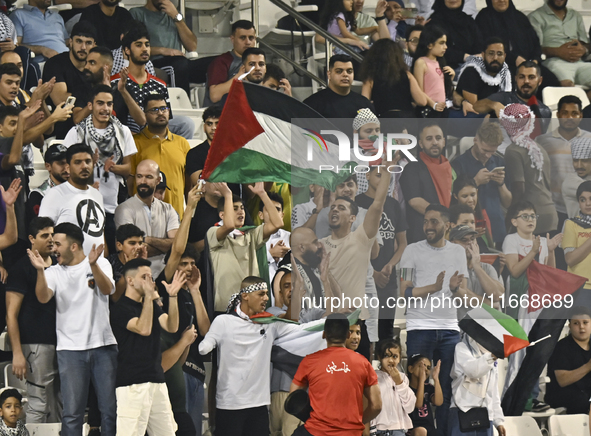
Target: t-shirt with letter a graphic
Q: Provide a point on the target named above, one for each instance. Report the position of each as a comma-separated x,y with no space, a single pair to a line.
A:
336,377
66,204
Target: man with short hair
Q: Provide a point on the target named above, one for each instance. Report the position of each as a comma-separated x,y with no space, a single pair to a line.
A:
109,20
569,367
328,388
130,245
352,342
528,79
171,35
433,270
482,163
254,62
413,33
197,155
482,278
338,101
86,346
427,181
40,30
483,76
113,144
275,79
31,328
558,145
157,219
228,66
581,161
57,167
564,40
77,201
140,84
278,242
168,150
137,319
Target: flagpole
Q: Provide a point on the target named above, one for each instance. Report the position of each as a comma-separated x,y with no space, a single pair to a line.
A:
539,340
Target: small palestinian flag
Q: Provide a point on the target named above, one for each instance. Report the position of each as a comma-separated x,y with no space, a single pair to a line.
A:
498,333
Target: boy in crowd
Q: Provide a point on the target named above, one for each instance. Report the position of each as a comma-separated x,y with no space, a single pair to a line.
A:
11,407
129,241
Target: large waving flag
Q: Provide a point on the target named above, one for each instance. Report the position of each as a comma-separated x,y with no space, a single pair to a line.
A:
496,332
256,141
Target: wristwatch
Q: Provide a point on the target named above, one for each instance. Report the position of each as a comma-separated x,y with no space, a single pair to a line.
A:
178,18
314,211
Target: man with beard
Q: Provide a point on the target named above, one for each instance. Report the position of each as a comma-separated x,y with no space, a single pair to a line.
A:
413,33
427,181
113,145
57,167
564,40
67,68
432,271
482,76
558,145
140,84
254,61
86,347
527,79
31,328
76,201
158,220
109,19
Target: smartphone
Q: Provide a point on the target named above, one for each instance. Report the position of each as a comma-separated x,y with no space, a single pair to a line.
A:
190,321
409,13
498,169
70,101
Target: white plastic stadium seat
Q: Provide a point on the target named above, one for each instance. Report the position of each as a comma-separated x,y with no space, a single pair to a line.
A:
522,426
552,94
44,429
571,425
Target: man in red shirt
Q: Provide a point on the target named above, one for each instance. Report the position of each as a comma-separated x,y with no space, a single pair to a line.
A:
228,66
337,379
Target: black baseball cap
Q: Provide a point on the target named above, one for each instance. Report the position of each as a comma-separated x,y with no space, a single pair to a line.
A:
55,152
162,184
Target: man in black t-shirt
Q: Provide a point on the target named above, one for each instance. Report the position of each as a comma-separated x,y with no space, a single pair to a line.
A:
338,101
569,368
197,155
393,233
130,245
110,21
32,330
136,320
481,77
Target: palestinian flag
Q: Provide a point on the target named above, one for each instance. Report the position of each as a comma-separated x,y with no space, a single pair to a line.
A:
257,141
526,365
498,333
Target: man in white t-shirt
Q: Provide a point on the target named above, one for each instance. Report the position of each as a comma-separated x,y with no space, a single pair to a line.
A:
433,270
76,201
112,144
86,347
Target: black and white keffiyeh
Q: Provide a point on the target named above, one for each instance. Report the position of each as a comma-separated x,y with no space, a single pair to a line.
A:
19,430
235,298
502,79
581,148
108,143
364,116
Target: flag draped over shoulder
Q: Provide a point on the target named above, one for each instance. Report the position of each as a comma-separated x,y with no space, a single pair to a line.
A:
256,141
526,365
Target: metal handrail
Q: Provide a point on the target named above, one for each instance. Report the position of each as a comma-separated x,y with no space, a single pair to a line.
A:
312,25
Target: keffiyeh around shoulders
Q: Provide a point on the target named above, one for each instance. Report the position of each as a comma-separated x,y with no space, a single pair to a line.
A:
502,79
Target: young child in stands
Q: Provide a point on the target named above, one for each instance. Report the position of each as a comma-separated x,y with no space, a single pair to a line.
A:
398,399
430,70
426,394
11,408
338,19
465,191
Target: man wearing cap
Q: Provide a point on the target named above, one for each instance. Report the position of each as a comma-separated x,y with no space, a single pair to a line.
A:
57,167
113,145
581,161
244,353
158,220
161,187
483,280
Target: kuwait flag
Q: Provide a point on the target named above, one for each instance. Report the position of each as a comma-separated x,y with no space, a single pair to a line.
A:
256,141
496,332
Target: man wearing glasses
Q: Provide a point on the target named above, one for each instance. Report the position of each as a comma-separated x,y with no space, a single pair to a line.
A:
112,145
168,150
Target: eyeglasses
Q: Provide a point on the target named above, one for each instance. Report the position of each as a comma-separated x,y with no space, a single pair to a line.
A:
531,217
414,40
161,109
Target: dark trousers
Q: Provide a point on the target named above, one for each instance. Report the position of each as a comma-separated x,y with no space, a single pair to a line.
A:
185,424
183,71
110,230
253,421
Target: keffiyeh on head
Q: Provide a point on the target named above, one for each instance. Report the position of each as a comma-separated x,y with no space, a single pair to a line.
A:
235,298
364,116
581,148
519,121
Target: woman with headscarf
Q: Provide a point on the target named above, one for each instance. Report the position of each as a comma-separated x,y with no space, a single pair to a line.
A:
501,18
463,37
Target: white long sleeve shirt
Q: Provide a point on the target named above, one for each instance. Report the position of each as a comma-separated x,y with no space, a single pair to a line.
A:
244,357
397,402
474,371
